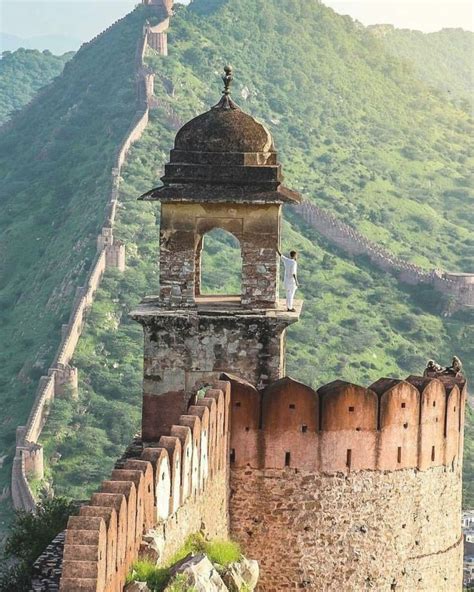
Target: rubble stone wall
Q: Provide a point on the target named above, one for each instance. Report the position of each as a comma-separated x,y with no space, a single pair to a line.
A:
367,530
458,286
110,253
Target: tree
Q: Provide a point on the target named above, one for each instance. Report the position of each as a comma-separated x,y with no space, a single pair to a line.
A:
29,535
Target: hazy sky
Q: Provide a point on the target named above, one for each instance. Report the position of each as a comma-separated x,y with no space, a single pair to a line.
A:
83,19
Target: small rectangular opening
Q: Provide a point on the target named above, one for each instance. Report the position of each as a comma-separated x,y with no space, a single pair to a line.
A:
292,406
232,455
351,409
434,403
349,458
287,459
399,454
404,405
432,454
304,428
237,404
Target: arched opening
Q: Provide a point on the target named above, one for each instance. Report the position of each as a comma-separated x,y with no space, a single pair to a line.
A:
218,265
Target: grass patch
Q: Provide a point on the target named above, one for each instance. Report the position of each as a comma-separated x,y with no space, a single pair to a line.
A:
221,552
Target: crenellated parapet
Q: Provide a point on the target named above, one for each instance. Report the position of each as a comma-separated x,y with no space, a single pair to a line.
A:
342,427
171,488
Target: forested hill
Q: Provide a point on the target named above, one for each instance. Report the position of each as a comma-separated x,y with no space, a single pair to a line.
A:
444,59
22,73
56,157
357,132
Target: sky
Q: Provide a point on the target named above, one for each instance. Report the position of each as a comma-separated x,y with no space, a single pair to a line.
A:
78,21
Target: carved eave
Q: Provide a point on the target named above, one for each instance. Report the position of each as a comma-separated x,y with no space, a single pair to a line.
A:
220,193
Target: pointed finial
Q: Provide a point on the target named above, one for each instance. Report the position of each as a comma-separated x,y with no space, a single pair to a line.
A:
227,80
226,102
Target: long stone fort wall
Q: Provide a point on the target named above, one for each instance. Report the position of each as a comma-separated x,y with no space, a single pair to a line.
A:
459,286
312,517
61,378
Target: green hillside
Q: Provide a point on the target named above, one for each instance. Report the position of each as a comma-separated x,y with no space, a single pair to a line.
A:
359,134
55,165
24,72
444,59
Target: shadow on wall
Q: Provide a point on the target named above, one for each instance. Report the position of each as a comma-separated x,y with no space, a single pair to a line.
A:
393,424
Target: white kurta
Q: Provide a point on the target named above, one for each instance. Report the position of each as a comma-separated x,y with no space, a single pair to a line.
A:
291,268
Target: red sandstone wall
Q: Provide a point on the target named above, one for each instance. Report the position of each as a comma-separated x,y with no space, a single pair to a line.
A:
151,493
393,424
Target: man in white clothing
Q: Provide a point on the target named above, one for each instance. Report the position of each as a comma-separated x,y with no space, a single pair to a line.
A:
291,278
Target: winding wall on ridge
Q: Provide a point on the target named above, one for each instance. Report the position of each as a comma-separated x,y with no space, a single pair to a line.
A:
458,285
28,460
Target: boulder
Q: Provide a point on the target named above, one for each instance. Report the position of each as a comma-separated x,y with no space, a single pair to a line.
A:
241,574
152,545
201,574
137,587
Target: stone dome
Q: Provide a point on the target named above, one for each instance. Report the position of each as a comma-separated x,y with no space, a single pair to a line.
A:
224,130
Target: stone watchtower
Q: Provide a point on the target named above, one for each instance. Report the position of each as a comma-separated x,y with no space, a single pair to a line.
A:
223,173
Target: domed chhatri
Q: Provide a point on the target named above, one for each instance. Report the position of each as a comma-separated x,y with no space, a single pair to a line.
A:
221,155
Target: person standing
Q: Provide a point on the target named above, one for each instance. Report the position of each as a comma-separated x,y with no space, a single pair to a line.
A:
291,278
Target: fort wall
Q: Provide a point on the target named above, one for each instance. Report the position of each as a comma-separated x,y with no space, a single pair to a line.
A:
62,378
460,286
349,484
153,501
270,469
394,530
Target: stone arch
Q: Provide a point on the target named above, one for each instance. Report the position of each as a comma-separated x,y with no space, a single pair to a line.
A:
211,404
290,423
219,398
227,231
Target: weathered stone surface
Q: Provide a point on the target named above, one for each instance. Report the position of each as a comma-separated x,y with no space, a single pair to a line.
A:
137,587
375,530
242,574
201,574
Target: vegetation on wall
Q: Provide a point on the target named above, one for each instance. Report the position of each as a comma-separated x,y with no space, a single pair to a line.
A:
24,72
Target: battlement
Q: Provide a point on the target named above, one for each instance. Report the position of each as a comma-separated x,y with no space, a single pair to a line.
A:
163,490
174,487
343,427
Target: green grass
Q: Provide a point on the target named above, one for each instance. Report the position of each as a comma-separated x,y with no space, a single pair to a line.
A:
221,552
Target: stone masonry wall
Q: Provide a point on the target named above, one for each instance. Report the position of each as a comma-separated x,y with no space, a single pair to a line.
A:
459,286
368,530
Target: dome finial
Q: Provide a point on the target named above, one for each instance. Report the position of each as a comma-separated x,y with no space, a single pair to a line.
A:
226,102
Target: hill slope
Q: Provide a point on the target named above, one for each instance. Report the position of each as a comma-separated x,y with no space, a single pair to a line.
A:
55,164
359,134
444,59
22,74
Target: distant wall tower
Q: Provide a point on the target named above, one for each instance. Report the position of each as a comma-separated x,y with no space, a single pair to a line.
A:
223,173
